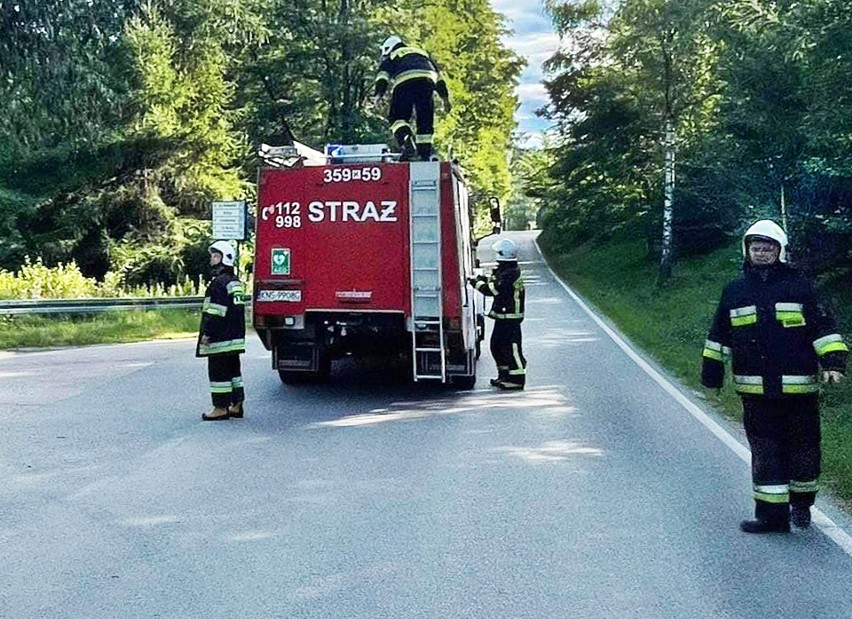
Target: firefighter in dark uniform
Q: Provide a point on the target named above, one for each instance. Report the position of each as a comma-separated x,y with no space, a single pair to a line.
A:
222,335
507,310
413,78
780,338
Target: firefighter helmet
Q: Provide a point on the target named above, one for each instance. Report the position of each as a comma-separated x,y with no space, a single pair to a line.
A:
506,250
390,43
227,251
768,230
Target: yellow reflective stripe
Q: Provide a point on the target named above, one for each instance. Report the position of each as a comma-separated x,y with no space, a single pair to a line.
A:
234,286
741,316
382,76
425,138
713,354
799,380
517,355
414,74
790,314
772,494
799,384
794,389
748,384
219,347
830,343
213,308
399,124
715,350
404,51
804,486
237,383
743,311
220,387
505,316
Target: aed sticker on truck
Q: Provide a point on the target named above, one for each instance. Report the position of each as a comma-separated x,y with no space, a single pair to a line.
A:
281,262
287,296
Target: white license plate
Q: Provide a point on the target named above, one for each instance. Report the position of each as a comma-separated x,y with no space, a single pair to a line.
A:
287,296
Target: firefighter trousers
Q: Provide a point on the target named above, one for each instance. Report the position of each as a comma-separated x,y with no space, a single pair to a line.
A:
414,97
507,350
784,435
226,381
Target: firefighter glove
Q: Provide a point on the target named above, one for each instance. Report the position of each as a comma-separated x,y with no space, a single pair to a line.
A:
832,377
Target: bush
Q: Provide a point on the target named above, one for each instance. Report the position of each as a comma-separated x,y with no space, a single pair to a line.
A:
65,281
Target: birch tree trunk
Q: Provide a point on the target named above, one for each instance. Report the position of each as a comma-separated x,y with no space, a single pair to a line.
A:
667,250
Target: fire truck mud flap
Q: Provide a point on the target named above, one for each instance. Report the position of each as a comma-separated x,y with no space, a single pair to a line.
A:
301,362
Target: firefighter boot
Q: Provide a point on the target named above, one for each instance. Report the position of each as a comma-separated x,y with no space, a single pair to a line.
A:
801,517
764,526
217,414
409,148
508,385
235,410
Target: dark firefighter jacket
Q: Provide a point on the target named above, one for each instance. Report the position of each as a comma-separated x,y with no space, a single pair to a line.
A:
409,63
507,288
223,317
776,332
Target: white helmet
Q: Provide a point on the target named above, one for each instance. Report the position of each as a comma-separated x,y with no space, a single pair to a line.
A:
227,251
391,42
769,230
506,250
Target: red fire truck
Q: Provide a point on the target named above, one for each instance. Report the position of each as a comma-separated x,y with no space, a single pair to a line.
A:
357,255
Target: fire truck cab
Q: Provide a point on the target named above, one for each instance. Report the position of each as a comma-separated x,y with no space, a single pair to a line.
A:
360,255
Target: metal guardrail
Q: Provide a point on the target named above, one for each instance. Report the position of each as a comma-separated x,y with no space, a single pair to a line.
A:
93,306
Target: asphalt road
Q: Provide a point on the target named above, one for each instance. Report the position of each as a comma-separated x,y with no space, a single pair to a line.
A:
594,493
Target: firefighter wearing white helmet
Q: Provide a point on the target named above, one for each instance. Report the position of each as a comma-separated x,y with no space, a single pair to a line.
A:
780,339
222,334
412,78
506,285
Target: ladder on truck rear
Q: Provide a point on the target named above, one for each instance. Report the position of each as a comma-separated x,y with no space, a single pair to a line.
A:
428,347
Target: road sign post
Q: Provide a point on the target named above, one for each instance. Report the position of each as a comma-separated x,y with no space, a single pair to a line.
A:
229,224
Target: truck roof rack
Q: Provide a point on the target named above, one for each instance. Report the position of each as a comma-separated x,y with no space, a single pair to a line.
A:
359,153
290,156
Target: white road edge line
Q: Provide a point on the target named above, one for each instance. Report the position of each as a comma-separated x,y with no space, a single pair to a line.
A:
821,520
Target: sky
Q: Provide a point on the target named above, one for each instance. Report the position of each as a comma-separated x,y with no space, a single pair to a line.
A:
534,39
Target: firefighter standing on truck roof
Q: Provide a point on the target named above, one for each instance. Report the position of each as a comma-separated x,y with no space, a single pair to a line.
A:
507,310
771,324
222,335
413,78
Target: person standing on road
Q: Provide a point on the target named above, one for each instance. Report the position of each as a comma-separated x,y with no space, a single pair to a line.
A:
222,334
779,336
507,310
413,78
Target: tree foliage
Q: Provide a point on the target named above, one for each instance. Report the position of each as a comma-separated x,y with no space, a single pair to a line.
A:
758,93
123,119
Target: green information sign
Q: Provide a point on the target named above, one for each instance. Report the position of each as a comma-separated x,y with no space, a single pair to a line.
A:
281,262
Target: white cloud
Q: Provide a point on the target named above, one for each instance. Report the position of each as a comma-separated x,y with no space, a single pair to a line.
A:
534,39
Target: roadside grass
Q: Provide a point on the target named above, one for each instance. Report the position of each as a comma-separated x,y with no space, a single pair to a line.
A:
107,328
671,325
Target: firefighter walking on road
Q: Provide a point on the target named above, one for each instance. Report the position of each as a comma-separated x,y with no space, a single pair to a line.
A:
413,78
222,335
780,338
507,310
